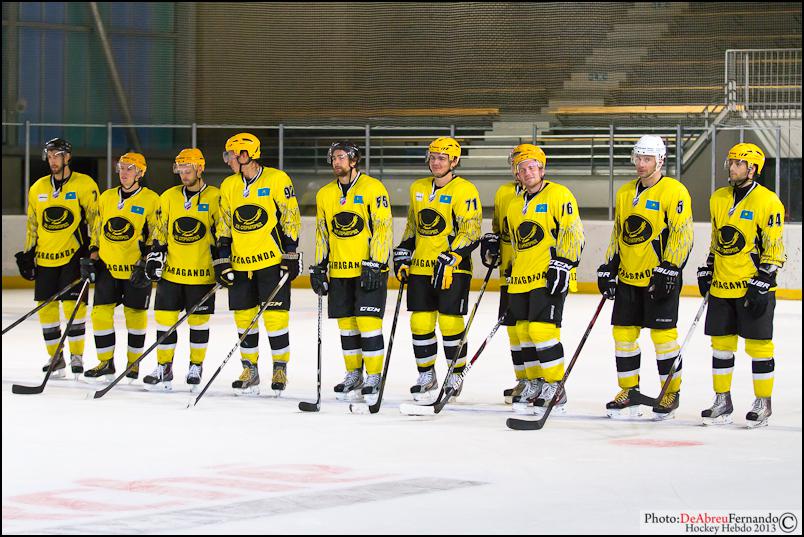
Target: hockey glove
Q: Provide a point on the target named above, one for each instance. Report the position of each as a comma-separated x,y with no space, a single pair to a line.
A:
705,274
372,274
89,270
26,264
757,296
402,260
222,263
558,275
490,250
292,264
665,281
138,278
607,278
318,279
444,266
155,262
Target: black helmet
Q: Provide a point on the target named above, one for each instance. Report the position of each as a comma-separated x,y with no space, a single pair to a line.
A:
350,148
57,144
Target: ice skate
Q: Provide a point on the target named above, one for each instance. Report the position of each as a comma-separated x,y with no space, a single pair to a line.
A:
194,377
759,414
76,364
59,368
624,405
161,378
279,380
103,371
543,400
524,403
371,388
249,381
720,411
134,373
452,381
426,387
666,409
351,382
510,393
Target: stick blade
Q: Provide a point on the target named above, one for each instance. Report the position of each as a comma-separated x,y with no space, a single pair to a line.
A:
524,425
416,410
304,406
26,390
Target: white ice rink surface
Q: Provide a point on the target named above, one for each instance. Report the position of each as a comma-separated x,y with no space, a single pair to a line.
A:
140,462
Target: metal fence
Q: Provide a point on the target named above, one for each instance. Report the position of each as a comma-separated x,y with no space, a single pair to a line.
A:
764,83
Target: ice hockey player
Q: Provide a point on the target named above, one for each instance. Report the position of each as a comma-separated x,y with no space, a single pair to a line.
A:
258,234
353,243
745,255
649,246
547,240
121,239
181,263
62,208
434,257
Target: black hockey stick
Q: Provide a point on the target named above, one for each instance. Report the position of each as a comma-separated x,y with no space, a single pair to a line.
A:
305,406
427,410
100,393
359,408
527,425
20,389
42,305
649,401
240,340
441,393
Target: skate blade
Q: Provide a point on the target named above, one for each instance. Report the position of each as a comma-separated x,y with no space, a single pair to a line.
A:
756,424
558,410
359,408
277,394
252,391
58,374
194,388
660,416
425,398
725,419
509,399
416,410
159,387
524,409
371,399
103,379
624,414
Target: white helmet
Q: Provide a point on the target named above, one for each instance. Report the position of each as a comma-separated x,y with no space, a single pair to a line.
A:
650,144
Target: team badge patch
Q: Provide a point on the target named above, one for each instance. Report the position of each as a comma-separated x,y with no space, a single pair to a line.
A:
747,215
70,196
203,207
262,192
445,198
136,209
541,208
358,199
652,205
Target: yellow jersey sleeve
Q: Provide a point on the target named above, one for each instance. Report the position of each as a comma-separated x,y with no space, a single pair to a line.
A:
381,223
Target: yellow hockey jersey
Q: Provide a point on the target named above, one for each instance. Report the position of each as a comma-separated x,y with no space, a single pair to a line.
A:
60,222
186,224
544,226
262,218
442,219
353,227
120,227
743,236
651,226
499,223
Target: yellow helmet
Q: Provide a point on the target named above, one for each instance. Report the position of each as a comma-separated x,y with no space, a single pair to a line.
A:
243,141
750,153
189,156
518,149
136,159
531,153
446,145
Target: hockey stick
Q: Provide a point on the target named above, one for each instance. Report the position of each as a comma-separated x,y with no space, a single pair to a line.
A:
305,406
441,393
648,401
528,425
18,388
254,321
419,410
360,408
42,305
100,393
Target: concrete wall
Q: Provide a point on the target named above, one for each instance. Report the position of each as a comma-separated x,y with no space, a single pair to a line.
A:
597,239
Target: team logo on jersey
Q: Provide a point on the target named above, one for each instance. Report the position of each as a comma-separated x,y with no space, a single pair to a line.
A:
730,241
505,235
249,218
528,235
346,225
56,218
70,196
118,229
430,223
187,230
636,230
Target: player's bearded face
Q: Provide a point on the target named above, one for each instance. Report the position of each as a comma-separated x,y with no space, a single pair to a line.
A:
439,164
188,175
738,171
341,165
529,174
57,161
